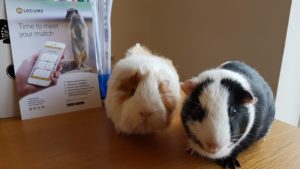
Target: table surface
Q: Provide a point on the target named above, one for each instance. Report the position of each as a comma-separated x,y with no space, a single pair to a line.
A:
87,140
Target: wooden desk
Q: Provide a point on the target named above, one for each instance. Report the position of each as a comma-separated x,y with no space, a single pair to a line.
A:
87,140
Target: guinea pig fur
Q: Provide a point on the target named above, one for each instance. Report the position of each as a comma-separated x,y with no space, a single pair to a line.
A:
143,91
226,110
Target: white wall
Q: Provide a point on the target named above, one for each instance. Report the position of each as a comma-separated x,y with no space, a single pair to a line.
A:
288,92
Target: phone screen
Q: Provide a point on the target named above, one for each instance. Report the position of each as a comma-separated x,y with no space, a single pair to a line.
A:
46,63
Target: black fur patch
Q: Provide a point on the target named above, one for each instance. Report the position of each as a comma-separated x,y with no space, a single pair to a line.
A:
240,118
192,109
236,90
229,163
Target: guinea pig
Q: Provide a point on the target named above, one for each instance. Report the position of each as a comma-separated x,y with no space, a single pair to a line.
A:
226,110
143,91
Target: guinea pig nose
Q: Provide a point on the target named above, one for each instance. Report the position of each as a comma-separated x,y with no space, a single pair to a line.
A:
212,147
145,114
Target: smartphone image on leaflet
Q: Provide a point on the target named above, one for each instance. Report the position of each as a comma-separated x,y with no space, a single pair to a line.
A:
46,63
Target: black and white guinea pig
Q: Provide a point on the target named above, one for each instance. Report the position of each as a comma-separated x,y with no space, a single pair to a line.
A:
226,110
143,91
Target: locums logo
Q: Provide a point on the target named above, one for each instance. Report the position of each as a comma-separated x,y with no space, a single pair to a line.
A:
28,10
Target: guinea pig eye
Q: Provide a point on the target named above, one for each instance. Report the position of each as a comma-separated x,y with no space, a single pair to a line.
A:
132,91
231,111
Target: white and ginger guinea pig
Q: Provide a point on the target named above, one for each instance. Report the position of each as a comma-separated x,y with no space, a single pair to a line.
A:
143,91
225,111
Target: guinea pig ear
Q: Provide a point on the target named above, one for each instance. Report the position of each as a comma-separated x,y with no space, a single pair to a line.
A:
248,98
188,86
168,99
128,84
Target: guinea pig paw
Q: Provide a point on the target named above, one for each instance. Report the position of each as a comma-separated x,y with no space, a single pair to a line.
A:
190,150
229,163
120,132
